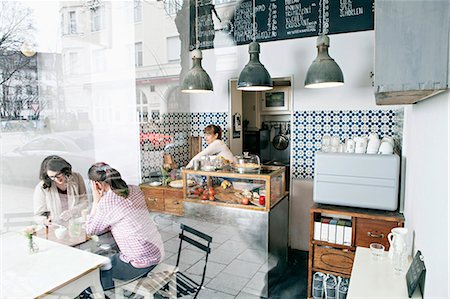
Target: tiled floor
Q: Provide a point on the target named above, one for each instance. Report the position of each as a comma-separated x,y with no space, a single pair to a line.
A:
235,269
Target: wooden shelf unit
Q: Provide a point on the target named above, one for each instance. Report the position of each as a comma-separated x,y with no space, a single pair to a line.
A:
368,226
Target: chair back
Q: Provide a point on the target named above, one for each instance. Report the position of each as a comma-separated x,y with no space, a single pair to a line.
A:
203,243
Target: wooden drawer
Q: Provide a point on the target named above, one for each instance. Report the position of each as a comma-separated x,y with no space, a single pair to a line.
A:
373,231
173,193
331,259
154,199
174,206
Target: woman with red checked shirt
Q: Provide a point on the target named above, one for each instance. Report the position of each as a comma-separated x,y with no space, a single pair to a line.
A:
122,209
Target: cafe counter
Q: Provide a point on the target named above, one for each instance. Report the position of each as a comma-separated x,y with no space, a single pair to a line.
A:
233,201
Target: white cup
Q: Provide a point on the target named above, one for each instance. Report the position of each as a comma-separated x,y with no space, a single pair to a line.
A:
360,145
388,139
350,146
61,232
386,148
326,140
373,145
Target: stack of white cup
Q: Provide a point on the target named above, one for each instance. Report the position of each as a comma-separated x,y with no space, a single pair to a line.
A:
359,145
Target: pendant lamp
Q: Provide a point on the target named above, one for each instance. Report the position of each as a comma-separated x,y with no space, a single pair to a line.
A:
254,76
197,79
324,71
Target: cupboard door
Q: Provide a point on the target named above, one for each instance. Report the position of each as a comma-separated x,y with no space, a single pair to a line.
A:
373,231
173,200
154,199
332,259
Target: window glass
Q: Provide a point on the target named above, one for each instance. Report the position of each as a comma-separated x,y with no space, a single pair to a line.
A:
97,18
72,22
137,11
138,54
173,48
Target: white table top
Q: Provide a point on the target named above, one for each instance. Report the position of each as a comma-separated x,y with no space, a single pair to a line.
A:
376,279
25,275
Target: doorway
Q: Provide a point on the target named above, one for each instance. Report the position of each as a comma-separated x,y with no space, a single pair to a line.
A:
261,122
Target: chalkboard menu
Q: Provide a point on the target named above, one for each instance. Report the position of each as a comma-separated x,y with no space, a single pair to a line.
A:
416,274
279,19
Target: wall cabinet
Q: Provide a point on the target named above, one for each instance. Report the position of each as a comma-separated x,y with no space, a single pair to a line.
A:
367,226
163,199
411,56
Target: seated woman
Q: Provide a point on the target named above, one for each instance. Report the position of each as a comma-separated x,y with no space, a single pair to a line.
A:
213,136
60,192
122,209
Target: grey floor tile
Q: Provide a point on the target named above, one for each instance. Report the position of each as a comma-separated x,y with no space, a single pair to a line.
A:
256,293
191,257
166,236
223,256
234,246
253,256
212,269
172,245
258,281
241,268
245,295
188,221
213,294
169,256
227,283
162,220
220,237
207,227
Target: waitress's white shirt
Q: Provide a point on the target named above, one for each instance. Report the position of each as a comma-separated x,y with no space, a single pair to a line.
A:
217,147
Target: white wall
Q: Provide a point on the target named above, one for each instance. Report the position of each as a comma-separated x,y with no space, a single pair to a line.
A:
426,148
354,52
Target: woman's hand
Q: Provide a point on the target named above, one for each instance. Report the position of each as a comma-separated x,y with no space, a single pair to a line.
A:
65,215
97,191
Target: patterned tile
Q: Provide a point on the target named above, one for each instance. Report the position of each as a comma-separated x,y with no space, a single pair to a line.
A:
168,134
310,126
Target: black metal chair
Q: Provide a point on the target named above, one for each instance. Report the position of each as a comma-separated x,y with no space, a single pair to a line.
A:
186,285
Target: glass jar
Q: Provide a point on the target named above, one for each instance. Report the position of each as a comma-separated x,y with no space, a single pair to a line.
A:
247,163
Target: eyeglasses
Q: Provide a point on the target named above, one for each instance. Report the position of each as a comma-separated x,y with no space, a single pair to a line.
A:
56,176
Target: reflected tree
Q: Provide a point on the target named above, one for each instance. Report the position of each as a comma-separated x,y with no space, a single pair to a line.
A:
18,86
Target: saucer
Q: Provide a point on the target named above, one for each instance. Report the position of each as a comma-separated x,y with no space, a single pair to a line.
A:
155,184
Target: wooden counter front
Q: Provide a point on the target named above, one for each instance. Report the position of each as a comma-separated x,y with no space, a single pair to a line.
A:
163,199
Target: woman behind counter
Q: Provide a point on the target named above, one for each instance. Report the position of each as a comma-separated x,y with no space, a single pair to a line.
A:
122,208
213,136
60,191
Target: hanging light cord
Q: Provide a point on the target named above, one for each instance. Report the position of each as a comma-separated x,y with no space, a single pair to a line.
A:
197,42
323,18
254,21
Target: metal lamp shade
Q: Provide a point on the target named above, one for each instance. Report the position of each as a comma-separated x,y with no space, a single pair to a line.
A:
197,79
324,71
254,76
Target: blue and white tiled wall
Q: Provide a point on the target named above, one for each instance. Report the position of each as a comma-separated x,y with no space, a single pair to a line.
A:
168,133
310,126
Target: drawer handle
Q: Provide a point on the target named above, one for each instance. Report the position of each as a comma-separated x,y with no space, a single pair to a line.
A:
152,199
380,236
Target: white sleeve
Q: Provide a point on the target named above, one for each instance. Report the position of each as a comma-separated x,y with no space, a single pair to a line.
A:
39,204
211,149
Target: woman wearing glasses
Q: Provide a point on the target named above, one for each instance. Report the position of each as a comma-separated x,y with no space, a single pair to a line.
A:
60,192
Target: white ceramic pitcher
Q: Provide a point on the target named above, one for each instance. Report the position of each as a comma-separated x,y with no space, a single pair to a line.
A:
397,238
